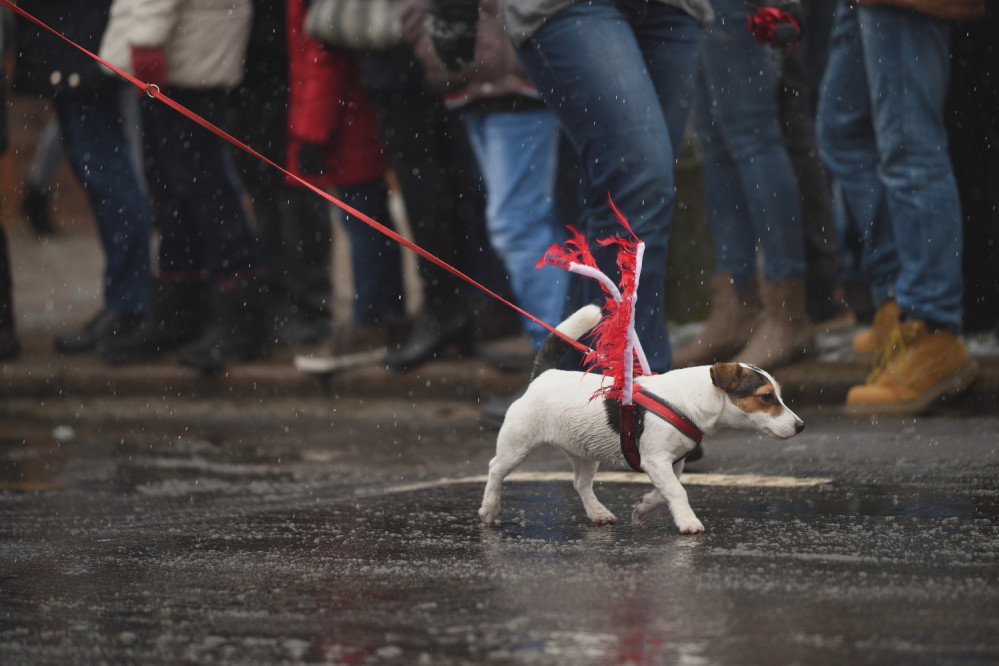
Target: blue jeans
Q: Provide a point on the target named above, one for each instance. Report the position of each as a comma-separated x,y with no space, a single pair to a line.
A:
752,188
883,137
619,74
517,152
376,261
95,144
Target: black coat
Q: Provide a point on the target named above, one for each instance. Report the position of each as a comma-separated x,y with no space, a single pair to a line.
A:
46,65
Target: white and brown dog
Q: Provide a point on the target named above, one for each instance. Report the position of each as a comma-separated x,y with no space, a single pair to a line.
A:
559,408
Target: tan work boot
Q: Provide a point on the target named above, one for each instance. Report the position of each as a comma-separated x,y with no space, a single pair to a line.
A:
728,327
782,333
867,343
916,368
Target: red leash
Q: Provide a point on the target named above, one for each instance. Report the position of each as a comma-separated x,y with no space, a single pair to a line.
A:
153,91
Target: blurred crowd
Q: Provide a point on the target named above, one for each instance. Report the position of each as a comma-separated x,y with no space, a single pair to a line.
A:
847,150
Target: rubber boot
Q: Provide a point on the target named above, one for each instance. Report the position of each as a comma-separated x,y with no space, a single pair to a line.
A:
782,333
176,315
237,328
729,324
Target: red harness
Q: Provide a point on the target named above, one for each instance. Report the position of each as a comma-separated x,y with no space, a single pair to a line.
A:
662,409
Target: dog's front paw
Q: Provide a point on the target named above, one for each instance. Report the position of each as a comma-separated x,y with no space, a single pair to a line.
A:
692,526
606,519
488,516
601,516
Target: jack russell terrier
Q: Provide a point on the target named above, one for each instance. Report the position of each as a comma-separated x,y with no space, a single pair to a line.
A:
560,408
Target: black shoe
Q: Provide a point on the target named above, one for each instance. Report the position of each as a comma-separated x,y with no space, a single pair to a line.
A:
106,325
237,331
431,336
178,310
9,346
35,207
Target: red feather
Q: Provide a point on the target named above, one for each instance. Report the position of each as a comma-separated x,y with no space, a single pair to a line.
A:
573,250
610,336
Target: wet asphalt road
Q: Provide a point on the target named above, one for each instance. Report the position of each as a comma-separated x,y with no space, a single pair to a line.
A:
345,532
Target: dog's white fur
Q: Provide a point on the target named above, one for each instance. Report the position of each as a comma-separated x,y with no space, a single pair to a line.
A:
558,408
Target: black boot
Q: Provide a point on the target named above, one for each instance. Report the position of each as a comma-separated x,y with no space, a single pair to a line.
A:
35,207
177,313
106,325
431,335
237,330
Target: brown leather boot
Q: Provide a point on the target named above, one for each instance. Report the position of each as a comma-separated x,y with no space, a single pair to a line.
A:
728,327
916,367
867,343
782,333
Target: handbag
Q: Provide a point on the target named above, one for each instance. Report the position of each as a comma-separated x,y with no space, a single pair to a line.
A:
355,24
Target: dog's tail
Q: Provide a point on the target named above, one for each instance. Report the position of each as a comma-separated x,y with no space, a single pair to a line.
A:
554,347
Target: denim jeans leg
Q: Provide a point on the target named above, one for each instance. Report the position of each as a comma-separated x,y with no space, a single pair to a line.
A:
728,212
908,68
625,113
99,154
375,258
847,142
739,82
518,154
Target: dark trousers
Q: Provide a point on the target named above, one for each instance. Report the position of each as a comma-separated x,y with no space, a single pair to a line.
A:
195,189
6,286
428,149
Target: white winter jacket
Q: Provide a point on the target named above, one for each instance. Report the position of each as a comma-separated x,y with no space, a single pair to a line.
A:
205,40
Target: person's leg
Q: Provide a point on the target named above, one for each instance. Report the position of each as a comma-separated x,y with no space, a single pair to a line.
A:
732,229
98,152
38,180
415,130
412,126
194,174
9,344
823,254
741,80
908,68
375,258
624,113
207,227
849,149
517,152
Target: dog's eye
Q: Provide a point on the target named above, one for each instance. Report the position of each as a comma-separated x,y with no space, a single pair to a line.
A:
768,398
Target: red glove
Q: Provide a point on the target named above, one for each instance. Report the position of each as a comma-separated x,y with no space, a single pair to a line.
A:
149,64
776,22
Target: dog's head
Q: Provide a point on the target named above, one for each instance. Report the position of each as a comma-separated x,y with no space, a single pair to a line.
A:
754,400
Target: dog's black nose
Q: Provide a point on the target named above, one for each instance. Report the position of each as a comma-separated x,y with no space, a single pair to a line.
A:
799,426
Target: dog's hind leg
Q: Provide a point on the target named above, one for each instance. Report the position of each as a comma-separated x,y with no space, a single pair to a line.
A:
512,446
667,483
653,499
583,470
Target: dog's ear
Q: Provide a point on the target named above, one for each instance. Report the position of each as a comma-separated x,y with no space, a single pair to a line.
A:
726,375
